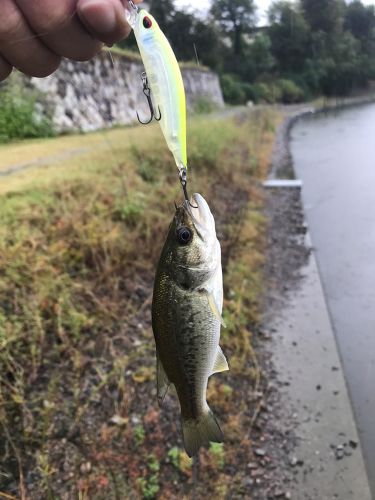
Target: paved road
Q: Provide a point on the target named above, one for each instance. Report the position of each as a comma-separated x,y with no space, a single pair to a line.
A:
334,155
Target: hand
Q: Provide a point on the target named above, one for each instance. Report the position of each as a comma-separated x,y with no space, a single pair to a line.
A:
35,34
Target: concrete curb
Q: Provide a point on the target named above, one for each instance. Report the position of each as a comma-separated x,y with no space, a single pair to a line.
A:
331,464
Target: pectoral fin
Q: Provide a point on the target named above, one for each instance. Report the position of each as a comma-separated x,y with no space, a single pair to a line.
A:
221,363
215,309
163,382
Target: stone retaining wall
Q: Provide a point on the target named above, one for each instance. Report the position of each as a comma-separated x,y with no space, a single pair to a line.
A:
98,94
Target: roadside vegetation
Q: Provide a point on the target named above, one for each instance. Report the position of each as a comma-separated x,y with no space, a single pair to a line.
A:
79,243
19,117
305,48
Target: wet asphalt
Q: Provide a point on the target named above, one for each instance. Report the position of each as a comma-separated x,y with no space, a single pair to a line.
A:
334,155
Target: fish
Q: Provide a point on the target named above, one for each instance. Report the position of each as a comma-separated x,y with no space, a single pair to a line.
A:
187,318
165,80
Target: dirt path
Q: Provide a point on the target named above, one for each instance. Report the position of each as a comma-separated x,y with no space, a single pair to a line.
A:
44,162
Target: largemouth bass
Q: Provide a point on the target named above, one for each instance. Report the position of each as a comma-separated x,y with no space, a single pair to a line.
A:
186,319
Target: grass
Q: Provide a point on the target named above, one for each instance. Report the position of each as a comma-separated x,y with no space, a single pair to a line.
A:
130,55
79,243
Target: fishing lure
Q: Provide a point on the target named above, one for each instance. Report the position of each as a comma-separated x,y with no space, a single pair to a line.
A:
164,80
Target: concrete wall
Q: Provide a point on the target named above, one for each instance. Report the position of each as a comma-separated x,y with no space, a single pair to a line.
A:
93,95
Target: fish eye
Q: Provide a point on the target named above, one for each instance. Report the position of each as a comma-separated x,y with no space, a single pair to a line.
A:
147,23
184,235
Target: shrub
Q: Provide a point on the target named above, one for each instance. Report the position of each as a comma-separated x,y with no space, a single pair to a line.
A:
203,105
265,92
290,91
233,90
248,88
282,90
18,115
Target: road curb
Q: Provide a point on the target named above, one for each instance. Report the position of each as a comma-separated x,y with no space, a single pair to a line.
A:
315,395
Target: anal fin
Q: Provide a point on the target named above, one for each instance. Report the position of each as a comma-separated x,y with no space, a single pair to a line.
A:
163,382
221,363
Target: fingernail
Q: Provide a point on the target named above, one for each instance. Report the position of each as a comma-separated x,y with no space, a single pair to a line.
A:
99,15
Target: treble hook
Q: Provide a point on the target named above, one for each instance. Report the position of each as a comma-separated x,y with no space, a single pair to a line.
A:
147,93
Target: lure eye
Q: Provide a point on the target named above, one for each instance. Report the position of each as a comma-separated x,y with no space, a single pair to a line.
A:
147,23
184,235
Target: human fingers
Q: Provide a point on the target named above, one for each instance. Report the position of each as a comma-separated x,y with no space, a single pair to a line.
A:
19,46
59,28
5,69
105,19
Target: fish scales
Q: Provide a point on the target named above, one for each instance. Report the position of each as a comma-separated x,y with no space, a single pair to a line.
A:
183,351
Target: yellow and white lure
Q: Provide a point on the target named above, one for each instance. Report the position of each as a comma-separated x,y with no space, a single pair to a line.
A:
163,74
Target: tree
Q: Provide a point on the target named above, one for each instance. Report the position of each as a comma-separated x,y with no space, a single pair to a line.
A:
163,11
290,36
208,43
259,61
360,20
236,18
324,15
343,66
181,35
310,46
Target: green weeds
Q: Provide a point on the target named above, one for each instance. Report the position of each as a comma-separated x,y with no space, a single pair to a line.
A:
217,452
203,106
150,484
18,113
139,435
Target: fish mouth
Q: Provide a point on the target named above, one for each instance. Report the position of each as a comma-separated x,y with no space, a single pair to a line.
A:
201,215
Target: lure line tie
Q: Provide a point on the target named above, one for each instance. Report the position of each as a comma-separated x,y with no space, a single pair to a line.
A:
133,5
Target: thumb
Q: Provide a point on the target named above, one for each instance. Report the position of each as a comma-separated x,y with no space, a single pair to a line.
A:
104,19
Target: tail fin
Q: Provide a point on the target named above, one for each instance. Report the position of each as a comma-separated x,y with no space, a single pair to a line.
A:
200,432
